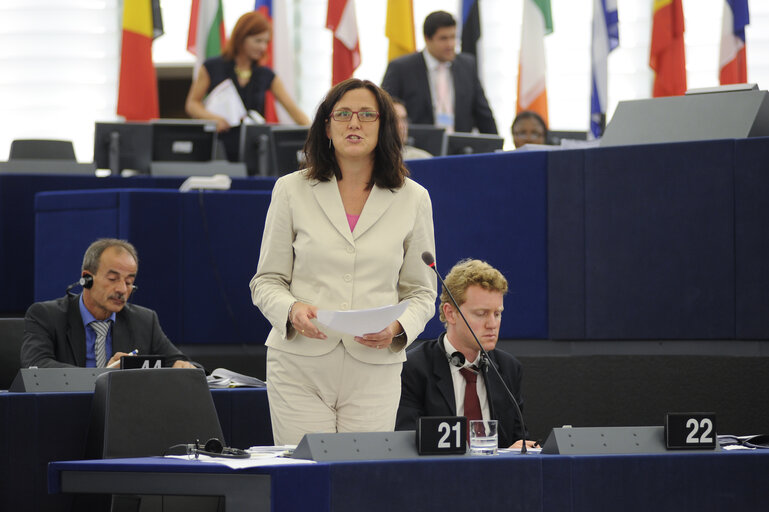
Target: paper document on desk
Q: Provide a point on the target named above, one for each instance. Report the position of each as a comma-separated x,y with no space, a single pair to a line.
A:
225,101
361,321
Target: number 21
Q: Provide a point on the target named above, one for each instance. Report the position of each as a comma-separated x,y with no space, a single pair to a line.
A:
446,429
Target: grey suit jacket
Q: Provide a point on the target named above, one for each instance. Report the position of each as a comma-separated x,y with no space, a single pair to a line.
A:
309,254
54,336
406,79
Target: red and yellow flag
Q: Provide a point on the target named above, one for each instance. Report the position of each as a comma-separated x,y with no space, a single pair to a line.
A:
138,87
667,57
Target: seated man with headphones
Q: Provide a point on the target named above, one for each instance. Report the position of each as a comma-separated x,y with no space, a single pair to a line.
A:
97,327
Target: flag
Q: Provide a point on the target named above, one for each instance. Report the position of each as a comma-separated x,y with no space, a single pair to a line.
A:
340,18
206,37
399,28
532,91
605,39
137,98
667,56
471,26
265,7
283,56
732,61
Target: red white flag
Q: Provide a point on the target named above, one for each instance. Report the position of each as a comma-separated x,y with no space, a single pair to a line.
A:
341,20
733,62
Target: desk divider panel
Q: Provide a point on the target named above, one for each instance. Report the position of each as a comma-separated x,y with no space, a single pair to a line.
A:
176,276
751,183
493,207
659,241
566,244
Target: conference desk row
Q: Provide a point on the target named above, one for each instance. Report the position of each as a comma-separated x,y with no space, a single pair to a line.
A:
650,242
36,428
714,481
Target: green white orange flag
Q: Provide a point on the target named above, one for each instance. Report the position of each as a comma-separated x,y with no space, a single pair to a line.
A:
537,23
206,35
399,28
138,86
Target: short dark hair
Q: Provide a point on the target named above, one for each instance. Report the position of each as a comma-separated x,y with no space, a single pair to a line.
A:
389,170
436,20
92,256
529,114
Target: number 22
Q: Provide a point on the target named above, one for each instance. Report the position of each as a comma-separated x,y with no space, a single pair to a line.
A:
707,427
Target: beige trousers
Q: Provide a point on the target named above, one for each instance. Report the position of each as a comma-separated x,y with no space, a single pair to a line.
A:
330,393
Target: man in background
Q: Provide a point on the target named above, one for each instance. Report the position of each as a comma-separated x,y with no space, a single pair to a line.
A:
449,376
439,86
99,326
409,152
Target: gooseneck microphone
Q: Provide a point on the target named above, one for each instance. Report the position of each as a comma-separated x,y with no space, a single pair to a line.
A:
429,260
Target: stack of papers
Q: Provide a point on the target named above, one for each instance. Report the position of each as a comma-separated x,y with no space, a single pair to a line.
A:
224,378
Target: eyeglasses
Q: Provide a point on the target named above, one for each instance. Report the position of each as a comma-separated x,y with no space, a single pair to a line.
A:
528,135
364,116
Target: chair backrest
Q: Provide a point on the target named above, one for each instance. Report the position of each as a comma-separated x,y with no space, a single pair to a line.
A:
40,149
11,336
139,413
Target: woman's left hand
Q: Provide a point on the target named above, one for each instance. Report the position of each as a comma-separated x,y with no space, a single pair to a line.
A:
381,339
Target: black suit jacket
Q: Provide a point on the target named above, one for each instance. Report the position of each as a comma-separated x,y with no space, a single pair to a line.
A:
406,79
54,336
427,389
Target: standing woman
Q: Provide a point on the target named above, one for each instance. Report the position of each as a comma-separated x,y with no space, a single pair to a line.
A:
240,63
346,233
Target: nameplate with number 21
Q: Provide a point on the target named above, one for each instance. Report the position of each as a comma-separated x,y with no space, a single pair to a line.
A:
442,435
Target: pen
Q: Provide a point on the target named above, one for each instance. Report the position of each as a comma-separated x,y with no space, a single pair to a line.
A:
131,353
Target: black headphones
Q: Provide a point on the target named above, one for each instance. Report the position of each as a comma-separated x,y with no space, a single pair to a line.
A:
215,448
86,281
456,359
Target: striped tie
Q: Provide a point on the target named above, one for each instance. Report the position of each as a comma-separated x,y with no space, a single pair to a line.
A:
100,347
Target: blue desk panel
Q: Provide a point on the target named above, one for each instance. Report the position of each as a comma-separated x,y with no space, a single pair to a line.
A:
41,427
668,482
197,253
659,241
493,207
751,186
17,218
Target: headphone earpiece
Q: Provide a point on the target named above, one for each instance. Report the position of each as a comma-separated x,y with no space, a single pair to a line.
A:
215,448
456,359
86,281
213,445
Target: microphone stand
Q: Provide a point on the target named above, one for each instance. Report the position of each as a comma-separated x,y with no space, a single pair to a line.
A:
429,260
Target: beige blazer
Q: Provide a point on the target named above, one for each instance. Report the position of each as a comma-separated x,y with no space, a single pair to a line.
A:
309,254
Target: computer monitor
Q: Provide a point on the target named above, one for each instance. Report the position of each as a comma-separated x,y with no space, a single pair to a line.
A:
556,136
119,146
472,143
183,140
273,150
429,137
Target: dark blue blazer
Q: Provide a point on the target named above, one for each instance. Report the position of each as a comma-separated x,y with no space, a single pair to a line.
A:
406,79
428,390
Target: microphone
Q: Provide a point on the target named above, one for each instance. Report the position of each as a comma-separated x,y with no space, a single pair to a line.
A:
429,260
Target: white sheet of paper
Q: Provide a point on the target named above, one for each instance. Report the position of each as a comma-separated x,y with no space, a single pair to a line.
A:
225,101
361,321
